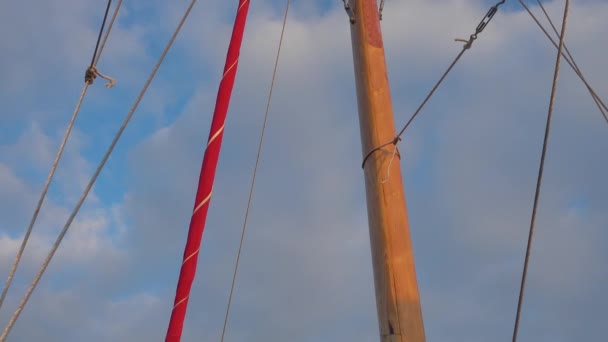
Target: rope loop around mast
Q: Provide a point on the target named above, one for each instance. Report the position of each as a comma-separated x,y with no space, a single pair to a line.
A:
394,142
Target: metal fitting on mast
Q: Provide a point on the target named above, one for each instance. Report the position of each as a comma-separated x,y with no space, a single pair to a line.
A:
349,11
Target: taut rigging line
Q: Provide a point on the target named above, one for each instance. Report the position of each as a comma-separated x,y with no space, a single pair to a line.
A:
467,45
90,75
255,170
84,195
569,58
540,172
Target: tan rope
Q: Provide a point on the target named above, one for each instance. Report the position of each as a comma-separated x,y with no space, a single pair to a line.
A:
569,59
49,179
255,170
93,71
84,195
598,101
540,173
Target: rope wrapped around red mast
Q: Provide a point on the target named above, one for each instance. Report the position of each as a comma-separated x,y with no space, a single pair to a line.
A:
207,175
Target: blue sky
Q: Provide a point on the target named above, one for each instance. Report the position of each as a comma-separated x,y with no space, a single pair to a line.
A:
469,166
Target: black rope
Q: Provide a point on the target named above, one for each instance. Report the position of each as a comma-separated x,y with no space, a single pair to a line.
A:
395,141
468,43
540,174
103,24
90,74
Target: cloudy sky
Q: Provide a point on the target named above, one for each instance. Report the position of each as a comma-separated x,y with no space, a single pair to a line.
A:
469,166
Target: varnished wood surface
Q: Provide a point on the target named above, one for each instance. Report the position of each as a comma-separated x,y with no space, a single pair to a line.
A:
397,297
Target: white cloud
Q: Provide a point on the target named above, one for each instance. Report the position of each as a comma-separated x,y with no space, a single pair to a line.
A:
469,168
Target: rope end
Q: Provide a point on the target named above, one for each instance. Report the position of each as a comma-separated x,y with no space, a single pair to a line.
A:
92,73
111,83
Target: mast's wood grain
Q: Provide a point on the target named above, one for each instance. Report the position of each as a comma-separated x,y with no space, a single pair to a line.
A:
397,298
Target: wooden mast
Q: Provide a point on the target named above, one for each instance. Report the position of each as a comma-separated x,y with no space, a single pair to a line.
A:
397,298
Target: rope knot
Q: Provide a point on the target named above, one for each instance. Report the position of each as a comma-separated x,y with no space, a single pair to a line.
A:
92,73
467,42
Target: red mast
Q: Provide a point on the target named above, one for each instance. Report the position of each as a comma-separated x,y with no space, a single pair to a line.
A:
207,175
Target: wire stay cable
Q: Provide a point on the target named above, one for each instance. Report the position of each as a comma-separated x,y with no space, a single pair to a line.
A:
598,101
467,45
569,59
105,158
255,170
540,173
88,81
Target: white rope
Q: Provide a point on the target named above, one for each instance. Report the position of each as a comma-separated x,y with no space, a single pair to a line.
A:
46,262
49,179
390,163
111,81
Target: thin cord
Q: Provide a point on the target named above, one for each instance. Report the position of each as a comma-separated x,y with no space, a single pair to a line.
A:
542,7
430,94
598,101
397,138
255,170
540,173
570,59
29,291
467,45
51,174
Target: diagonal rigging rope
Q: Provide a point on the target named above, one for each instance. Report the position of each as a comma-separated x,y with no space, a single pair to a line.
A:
46,262
103,23
540,173
105,37
255,170
467,45
88,81
598,101
569,58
